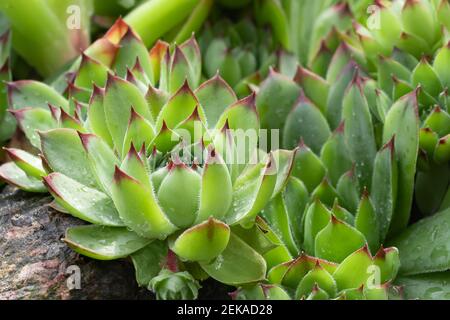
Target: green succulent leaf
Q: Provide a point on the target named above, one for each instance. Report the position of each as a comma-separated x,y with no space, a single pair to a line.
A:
337,241
441,64
315,87
317,217
238,264
138,207
12,174
296,198
131,49
402,121
275,99
71,161
83,202
202,242
28,93
215,95
366,221
317,276
104,243
277,217
101,159
384,198
120,97
252,191
90,72
305,122
31,120
439,121
96,118
308,167
430,286
148,261
335,155
354,271
216,189
29,163
388,261
424,245
336,95
359,131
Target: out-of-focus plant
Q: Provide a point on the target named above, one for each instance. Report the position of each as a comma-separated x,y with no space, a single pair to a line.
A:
48,34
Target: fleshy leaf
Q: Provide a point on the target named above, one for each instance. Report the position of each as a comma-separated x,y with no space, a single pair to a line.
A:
315,87
120,97
139,131
317,276
12,174
308,167
317,217
29,163
202,242
402,120
337,241
32,119
101,159
28,93
138,207
148,261
104,243
275,99
238,264
96,118
252,191
305,122
325,193
184,184
276,215
430,286
354,270
83,202
216,189
366,221
335,155
424,246
384,174
389,263
359,131
64,153
90,72
130,49
215,95
347,188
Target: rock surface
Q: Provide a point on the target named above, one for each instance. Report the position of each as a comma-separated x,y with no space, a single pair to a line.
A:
36,264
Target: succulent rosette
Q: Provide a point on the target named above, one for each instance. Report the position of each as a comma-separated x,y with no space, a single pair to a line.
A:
359,125
242,53
116,150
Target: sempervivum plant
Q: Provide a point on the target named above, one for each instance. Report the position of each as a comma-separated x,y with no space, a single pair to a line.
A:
333,208
242,53
404,58
125,161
